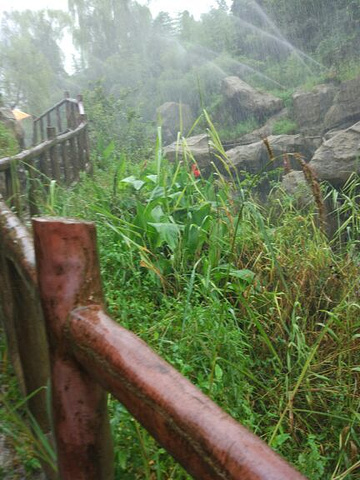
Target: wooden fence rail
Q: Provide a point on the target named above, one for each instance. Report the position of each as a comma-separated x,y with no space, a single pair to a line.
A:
90,354
60,156
52,308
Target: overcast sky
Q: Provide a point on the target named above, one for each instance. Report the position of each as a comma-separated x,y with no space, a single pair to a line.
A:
196,7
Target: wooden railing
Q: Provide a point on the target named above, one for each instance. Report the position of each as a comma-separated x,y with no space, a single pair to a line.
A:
60,156
52,307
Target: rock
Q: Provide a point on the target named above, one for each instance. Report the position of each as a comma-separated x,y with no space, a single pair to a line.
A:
245,101
263,132
198,146
173,116
331,133
254,158
346,108
310,108
338,157
294,184
8,119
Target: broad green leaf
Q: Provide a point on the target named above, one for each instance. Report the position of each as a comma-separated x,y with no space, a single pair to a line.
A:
169,233
137,184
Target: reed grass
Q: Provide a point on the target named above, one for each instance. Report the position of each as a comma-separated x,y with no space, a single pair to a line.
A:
252,303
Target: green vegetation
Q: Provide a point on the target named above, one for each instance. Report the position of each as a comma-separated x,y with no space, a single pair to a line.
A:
255,305
145,61
284,126
8,143
233,133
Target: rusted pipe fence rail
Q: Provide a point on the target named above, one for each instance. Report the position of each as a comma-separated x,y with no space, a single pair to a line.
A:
60,156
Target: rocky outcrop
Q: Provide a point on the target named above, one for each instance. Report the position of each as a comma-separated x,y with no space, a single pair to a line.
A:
197,146
338,157
174,117
264,131
346,108
310,108
8,119
244,101
294,184
327,119
254,158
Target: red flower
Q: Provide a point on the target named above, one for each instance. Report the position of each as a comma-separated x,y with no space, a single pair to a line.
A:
195,171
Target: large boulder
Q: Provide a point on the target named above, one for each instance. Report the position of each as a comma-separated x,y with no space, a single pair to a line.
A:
197,147
346,108
244,101
310,108
9,120
254,158
174,117
338,157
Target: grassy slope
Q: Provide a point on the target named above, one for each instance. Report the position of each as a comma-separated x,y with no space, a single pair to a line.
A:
254,306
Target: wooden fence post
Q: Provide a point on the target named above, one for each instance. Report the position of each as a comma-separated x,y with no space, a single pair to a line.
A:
66,163
35,132
12,187
32,189
74,159
68,275
54,155
22,317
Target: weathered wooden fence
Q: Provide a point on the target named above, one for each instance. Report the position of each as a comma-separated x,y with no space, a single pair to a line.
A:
54,286
62,153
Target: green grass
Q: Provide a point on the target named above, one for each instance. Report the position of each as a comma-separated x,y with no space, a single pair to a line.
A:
285,126
253,304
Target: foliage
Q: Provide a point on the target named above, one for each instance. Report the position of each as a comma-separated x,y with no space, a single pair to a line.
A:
112,122
24,440
231,133
284,126
327,27
8,143
31,62
254,304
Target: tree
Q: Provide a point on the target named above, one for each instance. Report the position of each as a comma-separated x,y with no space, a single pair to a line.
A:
104,28
330,28
31,61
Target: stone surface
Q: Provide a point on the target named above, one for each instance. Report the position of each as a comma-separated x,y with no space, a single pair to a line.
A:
245,101
173,116
254,157
338,157
346,108
8,119
310,108
264,131
294,184
197,146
